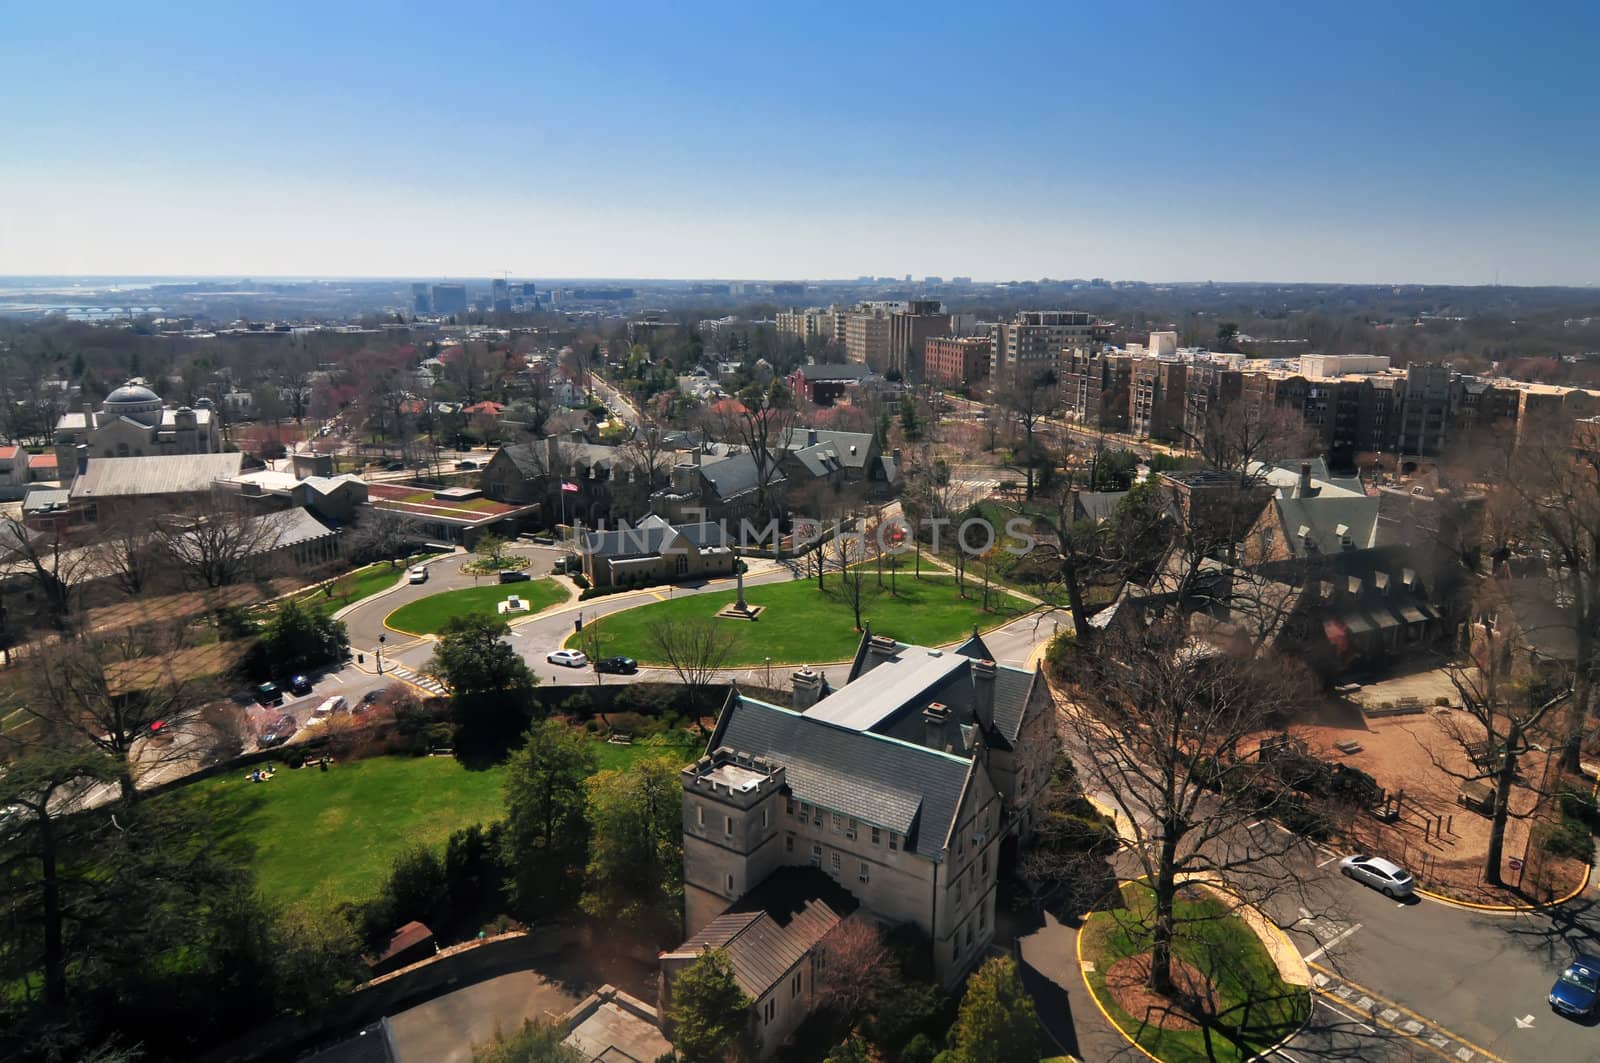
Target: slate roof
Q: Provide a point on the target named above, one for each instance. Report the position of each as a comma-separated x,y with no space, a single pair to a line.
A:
650,536
734,475
161,474
1096,505
899,786
800,438
774,926
1322,516
820,460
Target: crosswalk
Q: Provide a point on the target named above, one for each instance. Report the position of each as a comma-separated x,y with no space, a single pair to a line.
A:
416,679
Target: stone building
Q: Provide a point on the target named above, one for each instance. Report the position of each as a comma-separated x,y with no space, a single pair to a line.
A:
905,787
134,422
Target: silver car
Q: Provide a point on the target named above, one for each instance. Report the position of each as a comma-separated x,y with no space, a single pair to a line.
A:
1385,876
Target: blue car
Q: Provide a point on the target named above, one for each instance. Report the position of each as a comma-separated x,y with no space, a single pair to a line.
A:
1578,989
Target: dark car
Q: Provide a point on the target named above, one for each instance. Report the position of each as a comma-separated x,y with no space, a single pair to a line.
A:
616,665
395,466
513,577
1578,989
277,730
269,694
299,684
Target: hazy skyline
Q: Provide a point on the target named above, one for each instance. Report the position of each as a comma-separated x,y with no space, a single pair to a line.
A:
1363,143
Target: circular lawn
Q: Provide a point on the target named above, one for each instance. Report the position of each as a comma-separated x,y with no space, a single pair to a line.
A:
426,616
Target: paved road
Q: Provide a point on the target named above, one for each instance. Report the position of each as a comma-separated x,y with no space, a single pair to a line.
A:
1392,981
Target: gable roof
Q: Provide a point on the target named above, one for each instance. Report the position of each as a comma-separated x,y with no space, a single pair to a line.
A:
845,371
853,448
161,474
734,475
1322,517
650,536
774,926
899,786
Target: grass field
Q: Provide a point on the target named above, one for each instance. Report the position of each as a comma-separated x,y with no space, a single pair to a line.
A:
358,585
322,837
1213,941
426,615
803,625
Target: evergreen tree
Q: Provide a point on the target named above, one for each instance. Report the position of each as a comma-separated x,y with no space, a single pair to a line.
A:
546,833
709,1012
997,1022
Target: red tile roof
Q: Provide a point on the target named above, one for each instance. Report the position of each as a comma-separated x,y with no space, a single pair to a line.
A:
7,453
41,461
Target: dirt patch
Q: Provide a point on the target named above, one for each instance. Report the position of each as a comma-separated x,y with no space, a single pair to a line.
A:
1126,981
1421,761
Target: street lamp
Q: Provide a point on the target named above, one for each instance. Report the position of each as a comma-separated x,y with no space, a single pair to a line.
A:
381,640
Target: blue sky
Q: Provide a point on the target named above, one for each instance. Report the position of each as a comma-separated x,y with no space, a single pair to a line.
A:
1186,141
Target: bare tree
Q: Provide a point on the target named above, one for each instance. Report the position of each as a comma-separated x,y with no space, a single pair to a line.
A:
696,650
1511,713
762,430
128,552
856,960
1556,489
51,562
220,540
1029,398
646,454
847,551
1159,731
381,535
125,693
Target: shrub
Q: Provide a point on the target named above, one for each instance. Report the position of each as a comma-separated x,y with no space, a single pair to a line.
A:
295,756
1061,655
1569,837
578,706
1577,802
1442,701
647,699
628,723
581,580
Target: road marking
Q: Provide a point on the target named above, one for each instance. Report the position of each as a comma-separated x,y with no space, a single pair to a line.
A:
1348,1017
1253,826
1285,1055
1525,1022
1329,860
1313,957
1434,1037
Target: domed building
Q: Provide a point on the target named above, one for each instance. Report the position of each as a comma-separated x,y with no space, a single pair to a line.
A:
134,422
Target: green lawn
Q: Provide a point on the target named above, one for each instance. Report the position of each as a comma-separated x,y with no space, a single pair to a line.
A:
328,836
322,837
361,584
1217,942
681,746
803,625
426,615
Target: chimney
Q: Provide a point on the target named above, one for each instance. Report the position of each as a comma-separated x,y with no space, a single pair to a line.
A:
807,688
983,693
897,455
552,452
1305,480
811,437
83,458
933,720
882,646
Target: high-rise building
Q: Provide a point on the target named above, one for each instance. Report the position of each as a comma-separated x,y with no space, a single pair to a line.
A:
500,296
866,338
420,303
1094,388
909,329
450,298
1035,341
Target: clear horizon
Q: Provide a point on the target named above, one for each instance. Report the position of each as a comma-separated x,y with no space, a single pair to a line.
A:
1434,144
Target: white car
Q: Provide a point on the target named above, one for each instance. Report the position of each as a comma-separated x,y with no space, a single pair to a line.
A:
1385,876
569,658
419,574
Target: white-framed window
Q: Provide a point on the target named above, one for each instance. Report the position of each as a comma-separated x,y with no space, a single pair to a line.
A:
838,823
866,872
816,856
700,815
794,986
833,861
770,1010
894,840
877,836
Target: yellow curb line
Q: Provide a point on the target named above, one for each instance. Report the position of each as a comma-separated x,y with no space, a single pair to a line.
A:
1402,1008
1520,909
1096,998
1082,973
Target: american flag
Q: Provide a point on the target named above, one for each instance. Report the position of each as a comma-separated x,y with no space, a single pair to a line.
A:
568,485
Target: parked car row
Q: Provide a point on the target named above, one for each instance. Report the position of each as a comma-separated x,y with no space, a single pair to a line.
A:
608,665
